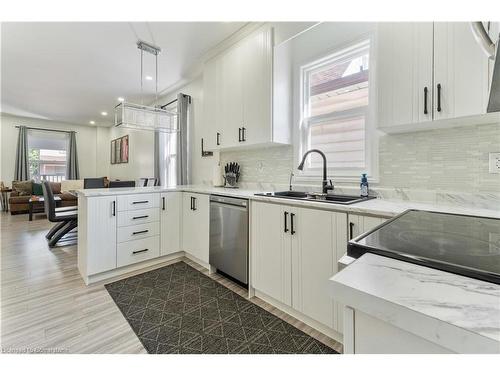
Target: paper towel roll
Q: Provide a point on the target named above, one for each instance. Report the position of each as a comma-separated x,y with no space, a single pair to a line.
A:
217,176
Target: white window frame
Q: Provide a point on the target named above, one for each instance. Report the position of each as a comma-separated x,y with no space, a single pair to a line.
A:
371,135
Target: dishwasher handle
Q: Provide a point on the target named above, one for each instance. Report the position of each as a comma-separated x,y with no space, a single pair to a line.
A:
228,201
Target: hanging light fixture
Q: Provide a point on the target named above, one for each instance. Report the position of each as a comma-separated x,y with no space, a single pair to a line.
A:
139,116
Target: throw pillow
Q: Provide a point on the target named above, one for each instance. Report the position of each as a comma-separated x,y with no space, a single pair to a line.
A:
37,188
23,187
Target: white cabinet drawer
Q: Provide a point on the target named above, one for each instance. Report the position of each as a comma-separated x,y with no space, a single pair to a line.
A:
134,232
138,201
137,251
147,215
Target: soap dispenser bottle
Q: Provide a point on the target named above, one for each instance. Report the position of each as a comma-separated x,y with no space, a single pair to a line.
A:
364,185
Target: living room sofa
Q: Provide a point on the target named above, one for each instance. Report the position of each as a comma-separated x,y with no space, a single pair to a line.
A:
22,191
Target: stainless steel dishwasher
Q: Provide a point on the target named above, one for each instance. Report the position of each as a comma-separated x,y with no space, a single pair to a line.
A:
229,236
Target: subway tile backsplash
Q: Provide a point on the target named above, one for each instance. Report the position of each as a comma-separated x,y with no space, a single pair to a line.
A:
453,159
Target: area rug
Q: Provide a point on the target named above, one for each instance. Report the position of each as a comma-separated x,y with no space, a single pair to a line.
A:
177,309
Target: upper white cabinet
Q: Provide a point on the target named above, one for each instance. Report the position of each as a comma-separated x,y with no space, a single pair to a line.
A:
404,79
428,73
195,225
238,94
170,220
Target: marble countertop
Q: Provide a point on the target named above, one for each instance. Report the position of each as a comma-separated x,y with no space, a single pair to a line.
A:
456,312
376,207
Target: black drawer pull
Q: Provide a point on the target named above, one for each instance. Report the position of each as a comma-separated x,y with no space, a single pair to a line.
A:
218,139
163,203
243,134
239,135
140,202
291,223
140,217
140,232
194,203
285,214
351,230
139,251
113,211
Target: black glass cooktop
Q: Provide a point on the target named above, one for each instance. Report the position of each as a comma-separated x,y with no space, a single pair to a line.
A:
465,245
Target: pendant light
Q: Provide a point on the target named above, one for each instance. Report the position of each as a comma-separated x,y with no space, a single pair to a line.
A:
139,116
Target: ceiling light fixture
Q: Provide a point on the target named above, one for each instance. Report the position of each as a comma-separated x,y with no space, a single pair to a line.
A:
120,99
104,113
139,116
92,122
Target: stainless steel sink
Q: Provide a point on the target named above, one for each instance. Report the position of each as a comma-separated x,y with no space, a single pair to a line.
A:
304,196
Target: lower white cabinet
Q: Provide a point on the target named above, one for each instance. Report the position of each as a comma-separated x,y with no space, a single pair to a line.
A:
170,219
294,253
195,225
97,226
359,224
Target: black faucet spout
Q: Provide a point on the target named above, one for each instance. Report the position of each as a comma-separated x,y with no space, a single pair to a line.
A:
325,185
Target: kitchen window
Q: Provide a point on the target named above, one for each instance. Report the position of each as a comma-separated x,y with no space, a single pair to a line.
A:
47,155
335,112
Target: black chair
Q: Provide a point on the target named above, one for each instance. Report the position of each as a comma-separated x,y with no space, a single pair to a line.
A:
93,183
65,221
121,184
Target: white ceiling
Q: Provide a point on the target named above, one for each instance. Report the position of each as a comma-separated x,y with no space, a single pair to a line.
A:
70,72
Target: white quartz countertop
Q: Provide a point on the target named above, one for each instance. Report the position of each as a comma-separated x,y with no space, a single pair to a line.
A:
376,207
456,312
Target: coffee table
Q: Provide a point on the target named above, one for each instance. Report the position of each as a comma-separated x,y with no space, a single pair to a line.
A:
36,206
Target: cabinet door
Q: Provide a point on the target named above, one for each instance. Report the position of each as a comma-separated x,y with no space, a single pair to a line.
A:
170,218
271,245
461,70
195,225
315,245
359,224
101,234
230,86
404,65
257,88
210,126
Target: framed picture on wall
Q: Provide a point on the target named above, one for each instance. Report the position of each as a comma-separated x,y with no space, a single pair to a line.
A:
118,151
113,154
124,149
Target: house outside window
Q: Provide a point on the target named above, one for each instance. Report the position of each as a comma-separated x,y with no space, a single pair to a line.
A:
47,155
335,112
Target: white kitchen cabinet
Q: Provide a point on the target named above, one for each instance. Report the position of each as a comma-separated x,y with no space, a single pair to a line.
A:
238,95
170,222
294,253
271,251
318,241
429,75
97,225
359,224
460,70
404,71
195,225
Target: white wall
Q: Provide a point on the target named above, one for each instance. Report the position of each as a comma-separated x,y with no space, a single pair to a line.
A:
90,141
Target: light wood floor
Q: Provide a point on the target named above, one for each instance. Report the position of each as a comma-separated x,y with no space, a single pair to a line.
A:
45,305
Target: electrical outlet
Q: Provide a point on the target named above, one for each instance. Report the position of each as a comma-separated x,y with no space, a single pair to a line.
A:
494,162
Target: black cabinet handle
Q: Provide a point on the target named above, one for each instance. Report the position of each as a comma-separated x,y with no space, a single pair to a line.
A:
113,208
194,203
139,251
163,203
239,134
218,139
191,203
291,223
243,134
351,230
439,98
285,214
140,232
140,217
425,100
140,202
